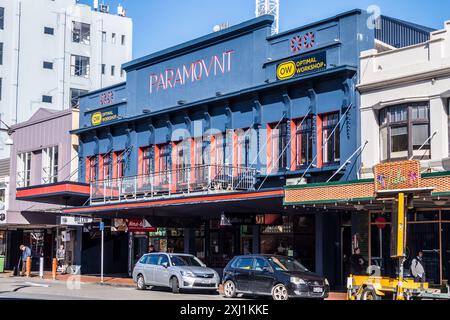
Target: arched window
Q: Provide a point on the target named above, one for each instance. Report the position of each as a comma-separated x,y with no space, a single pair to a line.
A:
405,132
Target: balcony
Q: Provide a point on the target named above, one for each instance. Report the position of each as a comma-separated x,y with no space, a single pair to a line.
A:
202,179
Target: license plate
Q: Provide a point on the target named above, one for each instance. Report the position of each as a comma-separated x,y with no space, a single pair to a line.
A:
317,290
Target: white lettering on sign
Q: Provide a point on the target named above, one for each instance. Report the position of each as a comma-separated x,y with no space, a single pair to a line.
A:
196,71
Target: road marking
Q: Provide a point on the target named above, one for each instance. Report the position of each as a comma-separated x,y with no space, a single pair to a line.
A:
37,285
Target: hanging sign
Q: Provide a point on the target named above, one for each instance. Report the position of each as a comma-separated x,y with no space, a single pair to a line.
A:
140,225
302,65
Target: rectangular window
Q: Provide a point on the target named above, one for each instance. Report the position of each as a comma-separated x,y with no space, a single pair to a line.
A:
183,163
331,138
79,66
113,38
103,69
113,71
48,65
1,86
50,165
119,165
24,170
165,163
278,145
49,31
47,99
243,150
104,36
405,132
107,167
122,41
304,142
75,97
1,53
148,161
92,169
81,32
2,18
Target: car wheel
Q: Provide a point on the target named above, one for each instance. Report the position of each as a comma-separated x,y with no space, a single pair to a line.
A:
279,292
141,283
175,285
369,294
229,289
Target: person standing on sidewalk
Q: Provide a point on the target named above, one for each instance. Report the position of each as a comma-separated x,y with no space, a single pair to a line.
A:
61,257
417,268
26,252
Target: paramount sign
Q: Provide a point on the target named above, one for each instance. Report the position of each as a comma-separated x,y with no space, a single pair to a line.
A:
195,71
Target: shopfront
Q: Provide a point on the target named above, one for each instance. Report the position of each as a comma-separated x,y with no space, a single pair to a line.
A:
428,214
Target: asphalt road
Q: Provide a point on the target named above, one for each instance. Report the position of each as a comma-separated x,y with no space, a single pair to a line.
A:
36,289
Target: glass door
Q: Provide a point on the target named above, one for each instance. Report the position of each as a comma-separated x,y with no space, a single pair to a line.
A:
446,251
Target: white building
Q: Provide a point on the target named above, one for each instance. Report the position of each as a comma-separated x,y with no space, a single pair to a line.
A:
52,51
405,104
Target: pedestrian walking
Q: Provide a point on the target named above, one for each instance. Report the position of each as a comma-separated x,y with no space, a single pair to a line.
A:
418,268
358,263
61,258
26,252
151,249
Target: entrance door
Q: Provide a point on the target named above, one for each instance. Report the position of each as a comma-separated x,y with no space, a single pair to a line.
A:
346,251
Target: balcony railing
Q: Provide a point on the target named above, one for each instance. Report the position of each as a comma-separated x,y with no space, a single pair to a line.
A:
182,181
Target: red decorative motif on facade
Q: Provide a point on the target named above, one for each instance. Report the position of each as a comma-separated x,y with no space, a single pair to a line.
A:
303,42
296,44
106,98
309,40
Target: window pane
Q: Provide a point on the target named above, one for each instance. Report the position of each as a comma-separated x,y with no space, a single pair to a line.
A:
399,142
421,134
384,143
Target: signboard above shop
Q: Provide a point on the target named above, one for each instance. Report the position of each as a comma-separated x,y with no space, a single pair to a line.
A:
397,175
105,116
302,65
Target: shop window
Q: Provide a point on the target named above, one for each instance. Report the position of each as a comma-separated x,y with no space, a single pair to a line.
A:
24,170
278,146
405,132
81,32
50,165
427,215
331,138
304,142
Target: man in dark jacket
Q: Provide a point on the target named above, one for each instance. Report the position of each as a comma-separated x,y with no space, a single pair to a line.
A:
26,253
358,262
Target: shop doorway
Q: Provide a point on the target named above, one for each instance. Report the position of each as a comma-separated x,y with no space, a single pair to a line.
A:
446,251
346,251
140,245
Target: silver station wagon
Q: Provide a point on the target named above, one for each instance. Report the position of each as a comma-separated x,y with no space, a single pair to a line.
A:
176,271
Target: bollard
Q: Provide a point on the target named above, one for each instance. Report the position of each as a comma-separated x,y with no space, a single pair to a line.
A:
41,268
28,267
54,268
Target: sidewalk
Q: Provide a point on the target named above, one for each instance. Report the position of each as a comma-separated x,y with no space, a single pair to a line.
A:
123,282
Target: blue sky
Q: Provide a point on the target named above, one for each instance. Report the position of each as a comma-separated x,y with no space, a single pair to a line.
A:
159,24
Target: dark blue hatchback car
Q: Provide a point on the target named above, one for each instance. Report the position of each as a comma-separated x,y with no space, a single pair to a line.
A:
269,275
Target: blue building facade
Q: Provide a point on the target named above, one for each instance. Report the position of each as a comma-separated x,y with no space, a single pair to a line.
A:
202,138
